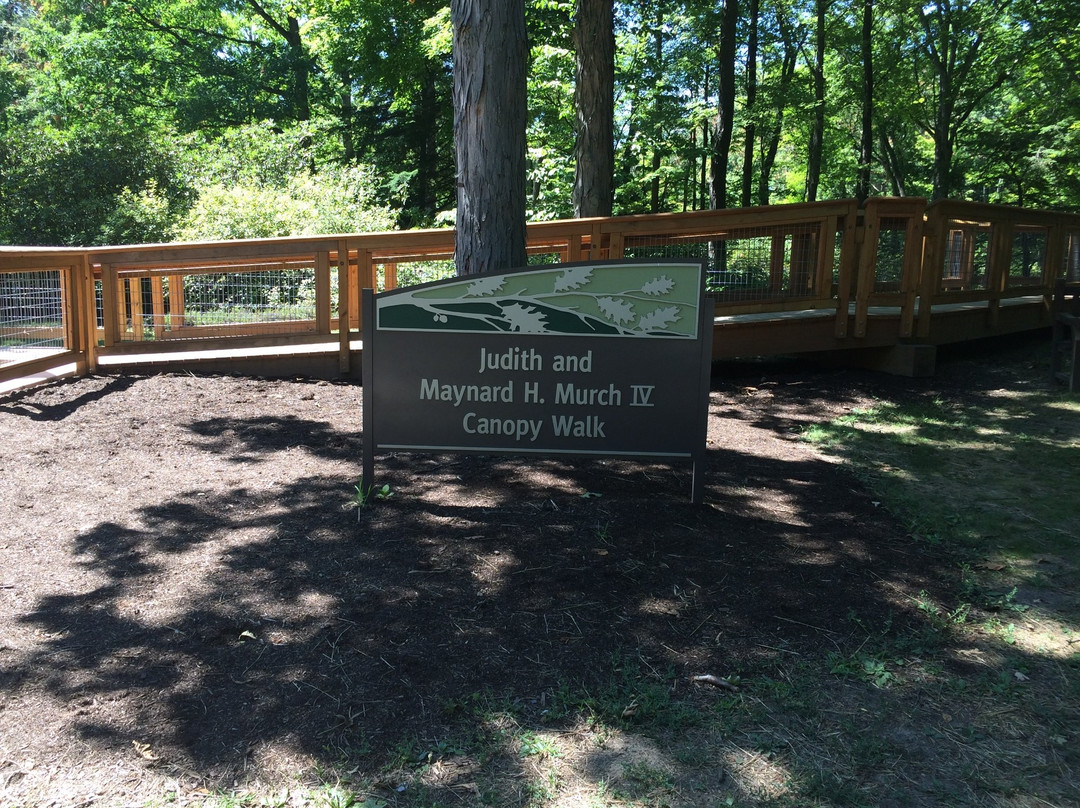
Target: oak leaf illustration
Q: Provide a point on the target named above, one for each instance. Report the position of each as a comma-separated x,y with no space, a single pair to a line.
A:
524,319
618,311
658,319
486,286
658,286
573,278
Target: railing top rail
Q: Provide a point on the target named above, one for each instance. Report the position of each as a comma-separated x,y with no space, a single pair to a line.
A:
7,250
705,221
439,243
960,210
415,243
186,253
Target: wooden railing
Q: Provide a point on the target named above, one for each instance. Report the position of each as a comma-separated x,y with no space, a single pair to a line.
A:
46,311
991,254
900,254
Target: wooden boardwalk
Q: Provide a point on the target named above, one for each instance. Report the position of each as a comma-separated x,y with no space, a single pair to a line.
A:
880,285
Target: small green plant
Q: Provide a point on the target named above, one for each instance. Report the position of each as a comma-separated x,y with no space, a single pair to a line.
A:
365,494
1006,632
646,781
277,799
533,745
337,796
1007,602
872,669
940,619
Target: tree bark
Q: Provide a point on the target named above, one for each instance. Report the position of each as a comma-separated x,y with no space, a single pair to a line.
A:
347,114
866,148
817,130
490,58
890,159
594,108
426,122
751,97
721,141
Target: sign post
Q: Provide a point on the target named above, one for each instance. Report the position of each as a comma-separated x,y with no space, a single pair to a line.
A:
605,359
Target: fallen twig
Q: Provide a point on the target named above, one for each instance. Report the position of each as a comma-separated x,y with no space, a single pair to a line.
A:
715,681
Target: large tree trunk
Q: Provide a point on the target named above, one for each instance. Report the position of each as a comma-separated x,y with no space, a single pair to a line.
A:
594,107
751,97
725,122
722,132
817,130
944,132
490,57
866,148
890,159
704,191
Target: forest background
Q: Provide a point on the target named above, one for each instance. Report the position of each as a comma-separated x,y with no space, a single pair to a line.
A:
128,121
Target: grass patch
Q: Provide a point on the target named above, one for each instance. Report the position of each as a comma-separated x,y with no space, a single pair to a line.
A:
973,697
990,475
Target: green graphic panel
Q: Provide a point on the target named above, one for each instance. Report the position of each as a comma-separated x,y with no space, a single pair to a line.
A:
626,299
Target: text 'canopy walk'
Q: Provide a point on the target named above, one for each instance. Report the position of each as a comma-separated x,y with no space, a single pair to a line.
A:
596,359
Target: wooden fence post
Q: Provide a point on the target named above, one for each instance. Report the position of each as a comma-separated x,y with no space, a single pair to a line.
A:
1053,268
849,261
864,283
911,268
176,302
935,236
1001,243
111,303
157,294
366,275
84,276
344,306
826,251
322,292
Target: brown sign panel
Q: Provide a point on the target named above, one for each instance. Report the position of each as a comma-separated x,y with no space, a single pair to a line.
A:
598,359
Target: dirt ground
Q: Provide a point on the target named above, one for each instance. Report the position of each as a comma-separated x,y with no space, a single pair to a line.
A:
189,601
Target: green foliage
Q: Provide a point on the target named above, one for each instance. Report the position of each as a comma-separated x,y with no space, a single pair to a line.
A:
338,201
551,132
116,117
143,216
75,186
238,211
258,154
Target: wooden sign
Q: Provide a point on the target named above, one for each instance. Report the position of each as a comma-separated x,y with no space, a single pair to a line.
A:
604,359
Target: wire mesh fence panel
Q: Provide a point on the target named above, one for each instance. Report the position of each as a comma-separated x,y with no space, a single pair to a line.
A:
757,264
160,307
99,306
266,295
1071,269
544,258
892,240
966,255
31,315
416,272
1028,258
837,257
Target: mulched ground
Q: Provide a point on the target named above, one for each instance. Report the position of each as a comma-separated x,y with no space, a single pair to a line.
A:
187,597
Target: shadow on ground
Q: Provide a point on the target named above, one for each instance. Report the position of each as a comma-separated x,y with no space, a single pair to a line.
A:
238,616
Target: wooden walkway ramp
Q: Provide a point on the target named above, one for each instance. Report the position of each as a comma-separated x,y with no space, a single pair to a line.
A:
881,285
